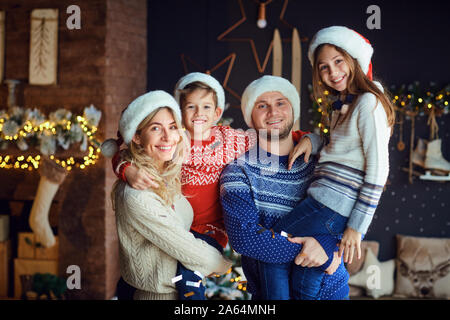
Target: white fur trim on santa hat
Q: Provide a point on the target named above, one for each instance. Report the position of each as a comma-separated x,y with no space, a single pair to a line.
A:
268,84
141,107
344,38
206,79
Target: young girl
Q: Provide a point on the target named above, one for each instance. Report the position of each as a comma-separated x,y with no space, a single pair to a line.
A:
353,167
202,102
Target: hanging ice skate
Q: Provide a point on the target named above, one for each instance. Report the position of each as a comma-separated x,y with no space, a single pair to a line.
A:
437,168
419,153
434,159
428,156
411,103
432,177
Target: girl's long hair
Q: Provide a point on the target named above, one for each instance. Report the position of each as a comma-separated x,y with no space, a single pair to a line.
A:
168,178
358,83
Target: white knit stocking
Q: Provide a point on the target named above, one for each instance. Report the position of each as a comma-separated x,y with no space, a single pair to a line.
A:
51,177
39,212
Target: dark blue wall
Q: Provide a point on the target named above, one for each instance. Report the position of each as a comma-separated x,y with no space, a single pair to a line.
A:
413,44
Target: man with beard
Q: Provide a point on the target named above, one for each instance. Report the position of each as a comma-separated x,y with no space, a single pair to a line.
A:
258,189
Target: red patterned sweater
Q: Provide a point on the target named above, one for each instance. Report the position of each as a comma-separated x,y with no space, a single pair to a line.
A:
200,175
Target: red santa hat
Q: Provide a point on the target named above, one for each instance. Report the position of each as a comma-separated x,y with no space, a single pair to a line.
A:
351,41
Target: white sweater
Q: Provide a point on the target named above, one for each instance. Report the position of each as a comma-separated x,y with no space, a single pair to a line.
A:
354,166
153,237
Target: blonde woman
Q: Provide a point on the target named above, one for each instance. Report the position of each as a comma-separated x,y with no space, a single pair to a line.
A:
153,225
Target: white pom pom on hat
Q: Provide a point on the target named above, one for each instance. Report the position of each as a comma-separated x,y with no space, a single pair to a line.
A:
110,147
351,41
210,81
268,84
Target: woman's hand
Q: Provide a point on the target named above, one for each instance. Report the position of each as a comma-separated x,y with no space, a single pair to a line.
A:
312,254
350,241
139,179
304,146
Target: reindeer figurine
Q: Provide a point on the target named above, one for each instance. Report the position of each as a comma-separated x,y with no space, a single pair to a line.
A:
422,272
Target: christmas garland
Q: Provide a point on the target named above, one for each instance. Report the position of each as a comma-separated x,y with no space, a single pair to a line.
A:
406,98
25,128
421,100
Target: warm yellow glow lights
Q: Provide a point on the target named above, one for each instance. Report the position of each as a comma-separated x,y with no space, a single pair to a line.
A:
32,162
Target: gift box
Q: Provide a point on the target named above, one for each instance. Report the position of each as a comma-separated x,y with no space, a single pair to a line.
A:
5,257
28,248
4,227
30,267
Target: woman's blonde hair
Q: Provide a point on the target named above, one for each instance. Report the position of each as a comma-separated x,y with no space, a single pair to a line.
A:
168,178
358,83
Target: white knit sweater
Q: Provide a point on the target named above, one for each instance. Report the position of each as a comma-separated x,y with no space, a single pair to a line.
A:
153,237
354,166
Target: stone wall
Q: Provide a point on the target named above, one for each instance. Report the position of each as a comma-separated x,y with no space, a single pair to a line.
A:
105,64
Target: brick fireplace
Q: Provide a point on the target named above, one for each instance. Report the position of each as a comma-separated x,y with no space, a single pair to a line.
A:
104,64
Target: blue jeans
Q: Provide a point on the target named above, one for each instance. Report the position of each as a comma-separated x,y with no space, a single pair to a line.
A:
182,285
274,279
309,218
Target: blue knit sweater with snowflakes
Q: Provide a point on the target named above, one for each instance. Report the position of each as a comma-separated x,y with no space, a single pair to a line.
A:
256,190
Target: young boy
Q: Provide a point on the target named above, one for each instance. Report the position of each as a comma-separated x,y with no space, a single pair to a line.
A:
202,102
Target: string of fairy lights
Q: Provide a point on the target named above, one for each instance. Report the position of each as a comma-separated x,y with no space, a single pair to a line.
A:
405,98
27,130
231,280
422,102
322,108
241,285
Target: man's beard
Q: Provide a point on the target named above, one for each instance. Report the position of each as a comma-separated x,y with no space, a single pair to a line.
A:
283,133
